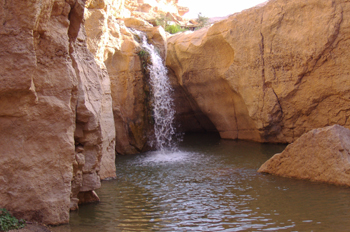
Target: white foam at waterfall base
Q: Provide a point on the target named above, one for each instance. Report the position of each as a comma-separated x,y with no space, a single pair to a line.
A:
165,157
162,102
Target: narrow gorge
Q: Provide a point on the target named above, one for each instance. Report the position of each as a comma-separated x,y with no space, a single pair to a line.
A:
74,92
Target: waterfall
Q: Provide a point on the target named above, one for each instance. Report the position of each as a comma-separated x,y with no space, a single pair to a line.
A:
162,102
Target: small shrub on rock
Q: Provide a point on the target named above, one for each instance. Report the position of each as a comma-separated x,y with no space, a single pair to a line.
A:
173,29
9,222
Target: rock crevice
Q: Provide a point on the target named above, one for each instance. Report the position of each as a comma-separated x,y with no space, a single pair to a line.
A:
73,92
45,95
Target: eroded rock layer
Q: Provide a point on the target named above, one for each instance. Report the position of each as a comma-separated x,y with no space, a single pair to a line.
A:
54,111
117,50
73,85
270,73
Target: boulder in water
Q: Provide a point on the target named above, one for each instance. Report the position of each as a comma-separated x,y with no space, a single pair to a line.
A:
319,155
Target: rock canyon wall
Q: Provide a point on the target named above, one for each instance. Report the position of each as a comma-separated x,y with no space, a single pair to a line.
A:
270,73
58,60
55,111
116,49
74,90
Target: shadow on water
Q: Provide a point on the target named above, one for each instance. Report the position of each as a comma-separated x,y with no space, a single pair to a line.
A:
210,184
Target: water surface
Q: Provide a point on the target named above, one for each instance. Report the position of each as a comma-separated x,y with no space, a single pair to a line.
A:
210,184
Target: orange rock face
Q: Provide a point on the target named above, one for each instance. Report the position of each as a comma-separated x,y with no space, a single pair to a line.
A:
57,124
148,9
319,155
54,110
270,73
72,93
115,49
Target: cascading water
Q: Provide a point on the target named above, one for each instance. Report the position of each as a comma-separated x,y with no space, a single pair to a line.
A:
162,102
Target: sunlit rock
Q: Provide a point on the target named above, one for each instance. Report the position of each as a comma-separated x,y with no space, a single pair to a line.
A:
269,73
320,155
115,48
151,9
54,109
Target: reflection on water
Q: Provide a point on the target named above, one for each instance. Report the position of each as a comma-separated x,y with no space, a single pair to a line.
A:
210,185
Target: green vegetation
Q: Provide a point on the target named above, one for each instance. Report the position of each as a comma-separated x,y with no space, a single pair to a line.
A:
168,23
163,20
145,59
202,21
143,54
173,29
8,222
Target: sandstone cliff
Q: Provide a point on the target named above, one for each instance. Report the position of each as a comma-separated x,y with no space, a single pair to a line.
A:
151,9
55,111
71,97
56,115
115,48
270,73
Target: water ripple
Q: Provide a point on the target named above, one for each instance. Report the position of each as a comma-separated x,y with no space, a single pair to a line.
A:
214,187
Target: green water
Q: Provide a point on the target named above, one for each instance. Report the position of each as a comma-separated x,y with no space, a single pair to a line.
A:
210,184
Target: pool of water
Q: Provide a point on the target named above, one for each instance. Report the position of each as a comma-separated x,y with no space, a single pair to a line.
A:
210,184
